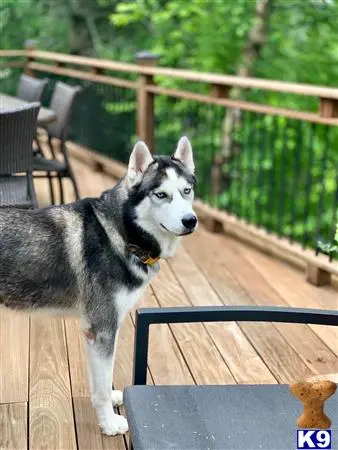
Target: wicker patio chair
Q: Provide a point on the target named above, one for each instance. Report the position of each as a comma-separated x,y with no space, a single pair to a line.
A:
17,131
63,99
30,89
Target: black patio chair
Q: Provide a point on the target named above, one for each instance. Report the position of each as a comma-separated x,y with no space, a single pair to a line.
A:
17,131
62,103
31,89
215,417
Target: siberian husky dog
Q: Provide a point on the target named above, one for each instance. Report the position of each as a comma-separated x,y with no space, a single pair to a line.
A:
94,258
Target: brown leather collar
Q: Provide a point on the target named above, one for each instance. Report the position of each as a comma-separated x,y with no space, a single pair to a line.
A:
143,255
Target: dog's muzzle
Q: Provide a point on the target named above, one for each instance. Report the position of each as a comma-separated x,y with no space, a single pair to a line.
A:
189,222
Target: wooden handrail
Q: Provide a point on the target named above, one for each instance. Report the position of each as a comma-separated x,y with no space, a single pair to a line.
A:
12,53
212,78
243,105
80,74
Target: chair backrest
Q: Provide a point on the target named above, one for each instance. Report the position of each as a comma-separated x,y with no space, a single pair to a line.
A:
17,131
62,103
30,89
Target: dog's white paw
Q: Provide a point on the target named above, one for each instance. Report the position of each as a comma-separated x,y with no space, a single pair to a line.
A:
117,398
114,425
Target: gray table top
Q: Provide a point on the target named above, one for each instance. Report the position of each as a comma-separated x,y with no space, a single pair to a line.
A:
45,116
235,417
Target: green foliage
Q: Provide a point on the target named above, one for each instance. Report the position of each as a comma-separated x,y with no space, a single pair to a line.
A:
280,166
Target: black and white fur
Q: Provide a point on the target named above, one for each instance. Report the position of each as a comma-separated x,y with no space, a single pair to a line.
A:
75,259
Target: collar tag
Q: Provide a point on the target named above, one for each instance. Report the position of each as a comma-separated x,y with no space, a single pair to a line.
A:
150,261
145,258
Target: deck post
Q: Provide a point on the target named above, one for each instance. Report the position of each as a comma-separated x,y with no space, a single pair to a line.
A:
145,102
317,276
29,45
328,107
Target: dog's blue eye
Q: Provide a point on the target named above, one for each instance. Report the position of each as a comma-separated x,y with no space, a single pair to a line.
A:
160,194
187,191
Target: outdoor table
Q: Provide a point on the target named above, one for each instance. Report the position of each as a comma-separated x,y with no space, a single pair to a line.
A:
246,417
45,116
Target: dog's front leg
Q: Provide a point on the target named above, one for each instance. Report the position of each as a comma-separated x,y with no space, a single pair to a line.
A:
100,351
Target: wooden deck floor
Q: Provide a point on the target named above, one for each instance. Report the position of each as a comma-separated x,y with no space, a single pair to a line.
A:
44,398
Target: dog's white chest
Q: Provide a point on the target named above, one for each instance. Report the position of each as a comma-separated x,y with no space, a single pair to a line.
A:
125,300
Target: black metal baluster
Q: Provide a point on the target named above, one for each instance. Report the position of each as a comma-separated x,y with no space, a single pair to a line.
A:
249,161
320,207
258,169
253,169
242,172
271,203
230,161
266,161
282,180
308,183
233,163
295,174
217,135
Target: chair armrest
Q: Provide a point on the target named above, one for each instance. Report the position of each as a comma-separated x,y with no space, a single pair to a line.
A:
147,316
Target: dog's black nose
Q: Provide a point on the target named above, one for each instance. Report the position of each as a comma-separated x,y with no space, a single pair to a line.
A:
189,221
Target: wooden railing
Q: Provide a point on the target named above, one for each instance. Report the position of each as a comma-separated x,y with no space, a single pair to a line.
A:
262,137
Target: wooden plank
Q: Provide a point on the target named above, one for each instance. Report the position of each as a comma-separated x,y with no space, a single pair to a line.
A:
243,105
196,344
76,358
166,363
243,361
275,351
13,426
314,353
14,344
212,78
88,432
50,404
286,282
12,53
81,75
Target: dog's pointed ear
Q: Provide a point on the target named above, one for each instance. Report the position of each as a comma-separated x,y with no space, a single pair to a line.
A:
184,153
139,161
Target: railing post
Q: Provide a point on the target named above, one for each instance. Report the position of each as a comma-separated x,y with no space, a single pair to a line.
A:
317,276
145,102
328,107
30,45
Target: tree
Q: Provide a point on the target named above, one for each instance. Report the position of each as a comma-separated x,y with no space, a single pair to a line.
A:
257,37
